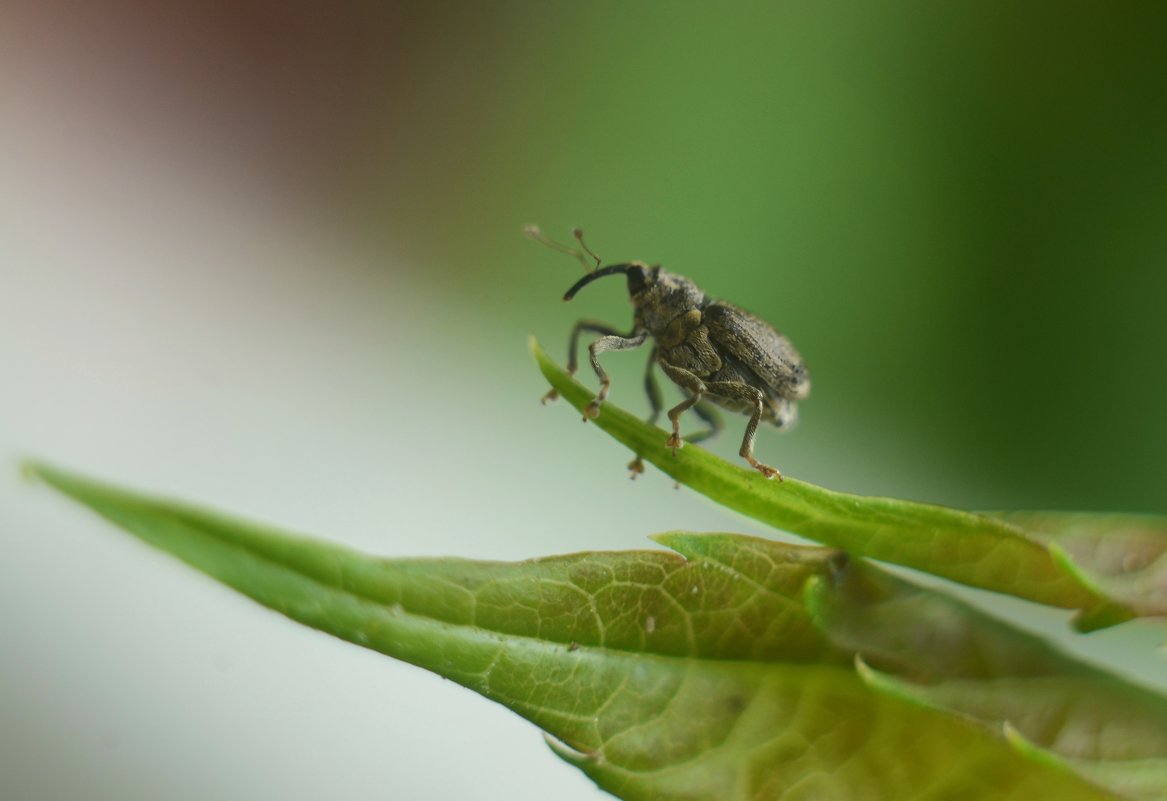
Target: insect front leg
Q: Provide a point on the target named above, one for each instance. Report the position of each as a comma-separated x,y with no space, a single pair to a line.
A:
756,398
691,382
603,345
591,326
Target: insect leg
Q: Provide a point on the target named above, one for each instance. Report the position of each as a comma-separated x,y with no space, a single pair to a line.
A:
603,345
652,389
755,397
594,327
707,412
591,326
691,382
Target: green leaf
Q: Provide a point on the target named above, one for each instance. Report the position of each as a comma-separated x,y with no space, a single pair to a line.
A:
662,676
1123,557
976,550
922,645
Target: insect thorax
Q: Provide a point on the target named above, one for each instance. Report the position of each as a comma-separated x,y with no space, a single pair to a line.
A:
669,297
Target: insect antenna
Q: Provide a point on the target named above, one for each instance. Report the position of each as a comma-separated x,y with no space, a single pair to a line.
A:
533,232
578,234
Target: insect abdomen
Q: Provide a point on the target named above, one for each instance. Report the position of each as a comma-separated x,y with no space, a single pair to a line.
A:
753,341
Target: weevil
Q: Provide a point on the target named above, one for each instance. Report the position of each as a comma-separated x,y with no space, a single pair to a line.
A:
716,352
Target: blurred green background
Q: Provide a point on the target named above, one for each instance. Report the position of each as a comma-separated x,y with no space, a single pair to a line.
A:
267,256
958,211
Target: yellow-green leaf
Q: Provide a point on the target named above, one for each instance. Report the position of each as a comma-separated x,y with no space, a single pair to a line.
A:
660,676
977,550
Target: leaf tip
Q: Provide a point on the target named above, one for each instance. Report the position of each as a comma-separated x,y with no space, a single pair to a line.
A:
30,470
1101,614
65,481
891,685
1033,751
35,471
568,754
679,541
1018,741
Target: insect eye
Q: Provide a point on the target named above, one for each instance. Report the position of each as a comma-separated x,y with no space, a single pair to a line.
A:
637,279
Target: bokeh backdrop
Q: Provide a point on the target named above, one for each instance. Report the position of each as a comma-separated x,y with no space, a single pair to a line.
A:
267,256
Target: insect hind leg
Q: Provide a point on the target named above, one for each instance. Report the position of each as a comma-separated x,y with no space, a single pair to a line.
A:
757,400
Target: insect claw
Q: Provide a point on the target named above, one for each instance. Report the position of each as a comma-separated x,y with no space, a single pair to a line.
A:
593,410
636,466
551,396
766,470
674,442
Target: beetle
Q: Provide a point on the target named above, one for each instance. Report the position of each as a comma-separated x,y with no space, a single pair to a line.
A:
715,351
